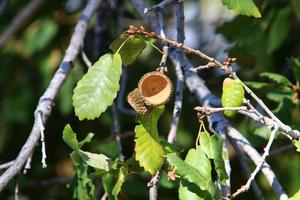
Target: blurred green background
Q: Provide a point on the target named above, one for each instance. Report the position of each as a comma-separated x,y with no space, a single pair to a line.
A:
29,59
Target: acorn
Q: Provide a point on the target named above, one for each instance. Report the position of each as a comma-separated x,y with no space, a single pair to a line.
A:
155,88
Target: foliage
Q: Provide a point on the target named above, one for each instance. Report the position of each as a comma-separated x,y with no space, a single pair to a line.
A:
98,87
265,40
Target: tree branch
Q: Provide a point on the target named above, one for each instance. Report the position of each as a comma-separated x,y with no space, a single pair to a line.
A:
21,20
46,101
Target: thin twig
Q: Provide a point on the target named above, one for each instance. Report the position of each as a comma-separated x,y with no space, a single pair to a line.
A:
153,186
244,144
46,101
201,67
179,74
22,19
28,164
116,131
243,161
160,6
17,189
85,59
42,128
246,187
6,165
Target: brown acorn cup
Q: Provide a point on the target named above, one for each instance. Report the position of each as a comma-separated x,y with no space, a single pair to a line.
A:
156,88
136,101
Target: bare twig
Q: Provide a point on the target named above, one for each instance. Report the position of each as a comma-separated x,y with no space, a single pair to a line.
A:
153,186
22,19
17,189
159,6
3,6
85,59
243,161
42,128
116,131
246,187
45,104
28,164
179,74
243,144
201,67
6,165
162,64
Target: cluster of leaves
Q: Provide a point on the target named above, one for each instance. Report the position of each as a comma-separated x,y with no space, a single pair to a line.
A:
94,93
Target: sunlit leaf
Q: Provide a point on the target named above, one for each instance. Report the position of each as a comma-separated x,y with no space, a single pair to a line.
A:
243,7
149,151
232,95
98,87
120,180
197,159
69,136
192,179
277,78
296,196
297,145
97,161
131,48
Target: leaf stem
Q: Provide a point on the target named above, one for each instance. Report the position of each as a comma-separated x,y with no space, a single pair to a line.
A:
155,47
119,49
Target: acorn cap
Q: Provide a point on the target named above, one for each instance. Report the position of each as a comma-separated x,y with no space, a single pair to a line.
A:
155,88
136,101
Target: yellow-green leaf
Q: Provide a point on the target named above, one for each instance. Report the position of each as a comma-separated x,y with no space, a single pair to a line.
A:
98,87
233,95
149,151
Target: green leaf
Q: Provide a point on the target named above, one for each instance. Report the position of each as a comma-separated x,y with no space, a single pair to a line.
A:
213,148
243,7
256,85
97,161
279,96
297,145
86,140
121,178
192,179
131,49
232,96
98,87
70,138
108,181
295,64
279,30
263,132
149,151
197,159
277,78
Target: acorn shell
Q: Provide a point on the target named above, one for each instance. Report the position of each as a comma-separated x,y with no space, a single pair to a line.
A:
135,99
155,88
